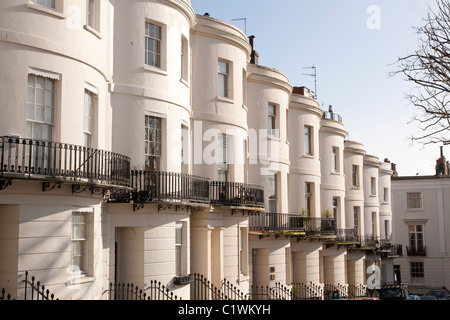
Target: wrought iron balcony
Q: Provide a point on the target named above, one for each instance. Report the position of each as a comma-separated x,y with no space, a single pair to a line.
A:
235,194
332,116
164,187
291,224
61,162
346,235
416,251
396,250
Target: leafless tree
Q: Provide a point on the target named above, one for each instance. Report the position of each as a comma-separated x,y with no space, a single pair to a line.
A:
429,69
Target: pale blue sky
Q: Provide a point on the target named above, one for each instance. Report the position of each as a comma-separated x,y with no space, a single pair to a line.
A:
352,61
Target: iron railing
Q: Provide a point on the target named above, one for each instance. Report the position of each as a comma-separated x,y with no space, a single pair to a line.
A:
331,116
236,194
396,250
159,186
416,251
36,159
346,235
281,222
33,290
154,291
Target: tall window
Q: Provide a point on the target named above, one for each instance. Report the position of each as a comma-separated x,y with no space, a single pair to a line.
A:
40,107
414,200
153,145
272,120
179,250
47,3
223,157
308,197
184,149
416,239
79,241
374,223
273,193
88,123
355,176
356,214
386,229
91,14
335,207
308,140
386,194
335,159
373,186
184,59
153,44
243,250
223,79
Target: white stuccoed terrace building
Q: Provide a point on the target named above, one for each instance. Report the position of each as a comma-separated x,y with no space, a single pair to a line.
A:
142,142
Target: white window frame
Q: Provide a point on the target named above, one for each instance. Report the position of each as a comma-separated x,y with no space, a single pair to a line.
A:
373,186
89,112
184,69
308,140
417,268
273,199
180,249
415,233
47,4
55,10
355,176
356,218
243,251
272,120
34,120
159,65
224,80
84,239
410,199
156,142
335,159
223,157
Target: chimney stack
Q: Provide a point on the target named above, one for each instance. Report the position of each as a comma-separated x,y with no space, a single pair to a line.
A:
442,166
254,55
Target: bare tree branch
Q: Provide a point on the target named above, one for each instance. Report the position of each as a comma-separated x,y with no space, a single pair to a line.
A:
428,68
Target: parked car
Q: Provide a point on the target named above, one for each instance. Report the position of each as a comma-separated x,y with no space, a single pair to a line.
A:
427,298
393,292
440,294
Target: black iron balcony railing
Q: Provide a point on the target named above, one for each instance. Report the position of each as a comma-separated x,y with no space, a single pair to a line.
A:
416,251
346,235
45,160
285,223
236,194
155,186
396,250
332,116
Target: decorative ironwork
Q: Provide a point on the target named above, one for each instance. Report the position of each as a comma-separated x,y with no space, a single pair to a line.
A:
5,183
291,224
183,280
48,186
163,187
26,158
236,194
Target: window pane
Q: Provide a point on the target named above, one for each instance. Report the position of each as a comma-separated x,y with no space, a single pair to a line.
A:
223,67
221,85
